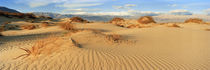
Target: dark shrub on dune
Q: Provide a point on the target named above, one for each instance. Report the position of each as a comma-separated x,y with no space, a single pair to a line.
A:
116,20
79,20
194,20
146,20
67,26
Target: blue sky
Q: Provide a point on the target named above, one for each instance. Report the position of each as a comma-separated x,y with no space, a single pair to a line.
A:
112,7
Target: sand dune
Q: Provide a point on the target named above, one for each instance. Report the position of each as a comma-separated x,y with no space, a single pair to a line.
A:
154,48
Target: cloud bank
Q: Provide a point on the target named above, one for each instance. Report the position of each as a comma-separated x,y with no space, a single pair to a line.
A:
180,12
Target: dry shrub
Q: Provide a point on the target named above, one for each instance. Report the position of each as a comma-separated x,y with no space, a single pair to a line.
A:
1,34
28,27
45,24
113,37
2,28
146,20
116,20
194,20
67,26
45,46
133,26
78,20
207,29
174,25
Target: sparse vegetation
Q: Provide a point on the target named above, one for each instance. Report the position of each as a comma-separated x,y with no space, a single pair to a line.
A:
117,20
45,24
174,25
0,34
194,20
133,26
113,37
207,29
41,46
146,20
67,26
28,27
78,20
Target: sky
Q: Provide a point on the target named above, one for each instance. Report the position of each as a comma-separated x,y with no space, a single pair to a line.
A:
111,7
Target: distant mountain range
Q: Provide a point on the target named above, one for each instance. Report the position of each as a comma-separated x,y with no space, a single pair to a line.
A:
8,10
158,18
88,17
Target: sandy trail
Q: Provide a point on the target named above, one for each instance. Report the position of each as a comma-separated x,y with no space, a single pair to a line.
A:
155,48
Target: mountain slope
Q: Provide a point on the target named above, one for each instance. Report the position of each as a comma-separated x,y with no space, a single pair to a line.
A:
5,9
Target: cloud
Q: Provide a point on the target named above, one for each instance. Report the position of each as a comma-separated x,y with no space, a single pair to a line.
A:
126,6
66,11
130,5
120,13
172,5
61,3
78,5
207,11
180,12
143,13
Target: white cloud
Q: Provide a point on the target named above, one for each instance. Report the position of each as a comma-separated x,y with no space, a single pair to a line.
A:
126,6
207,11
74,3
120,13
180,12
172,5
78,5
130,5
81,10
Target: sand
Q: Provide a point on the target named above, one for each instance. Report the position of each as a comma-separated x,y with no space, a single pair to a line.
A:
155,48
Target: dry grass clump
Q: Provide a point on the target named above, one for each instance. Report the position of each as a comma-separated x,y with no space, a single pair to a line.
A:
28,27
146,20
113,37
194,20
174,25
2,28
67,26
47,46
45,24
116,20
207,29
133,26
1,34
41,47
78,20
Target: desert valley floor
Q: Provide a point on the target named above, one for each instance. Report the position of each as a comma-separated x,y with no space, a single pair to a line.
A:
158,47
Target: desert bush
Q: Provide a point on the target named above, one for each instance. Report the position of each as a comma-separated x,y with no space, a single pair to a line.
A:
113,37
174,25
116,20
1,34
41,47
79,20
28,27
2,28
30,21
194,20
12,27
45,24
133,26
67,26
207,29
146,20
